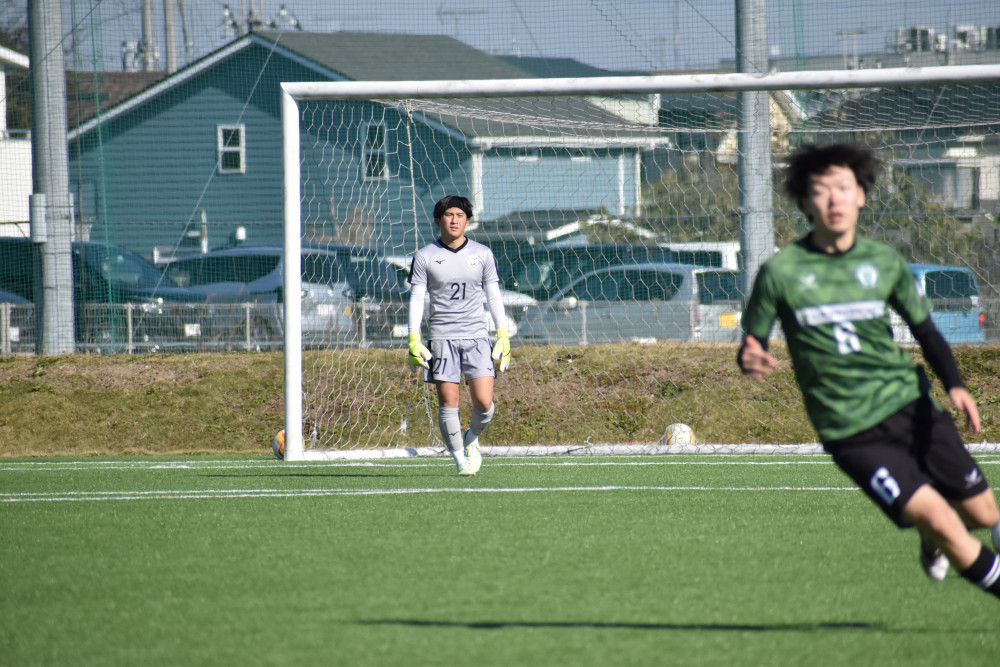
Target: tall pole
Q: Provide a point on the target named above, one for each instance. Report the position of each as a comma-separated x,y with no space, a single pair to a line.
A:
148,49
170,34
51,205
756,211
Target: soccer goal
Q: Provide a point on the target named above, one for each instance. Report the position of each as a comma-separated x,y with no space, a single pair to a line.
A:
585,189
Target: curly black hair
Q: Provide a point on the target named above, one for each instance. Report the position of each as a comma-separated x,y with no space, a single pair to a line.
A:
811,160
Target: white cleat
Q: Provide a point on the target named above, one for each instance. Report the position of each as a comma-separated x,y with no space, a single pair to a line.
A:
472,452
932,559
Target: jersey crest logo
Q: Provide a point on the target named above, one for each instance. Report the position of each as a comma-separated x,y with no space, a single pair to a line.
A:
807,281
866,275
473,261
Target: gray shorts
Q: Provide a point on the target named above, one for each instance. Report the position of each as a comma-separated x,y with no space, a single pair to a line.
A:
450,359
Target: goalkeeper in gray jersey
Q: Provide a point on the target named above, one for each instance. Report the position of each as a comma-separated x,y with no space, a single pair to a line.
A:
869,403
454,273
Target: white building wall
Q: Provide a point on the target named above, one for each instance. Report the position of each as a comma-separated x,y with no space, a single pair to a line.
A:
15,185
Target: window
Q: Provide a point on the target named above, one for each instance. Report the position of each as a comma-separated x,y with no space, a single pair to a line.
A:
716,286
598,287
374,153
120,266
525,154
697,257
232,149
252,268
951,185
201,271
949,285
322,268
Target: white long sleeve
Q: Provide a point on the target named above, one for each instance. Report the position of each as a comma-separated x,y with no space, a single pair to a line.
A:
495,302
416,314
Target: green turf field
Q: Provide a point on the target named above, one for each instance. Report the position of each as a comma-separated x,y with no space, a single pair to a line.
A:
718,560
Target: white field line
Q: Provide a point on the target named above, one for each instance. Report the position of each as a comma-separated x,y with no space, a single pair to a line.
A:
204,494
717,460
182,466
58,466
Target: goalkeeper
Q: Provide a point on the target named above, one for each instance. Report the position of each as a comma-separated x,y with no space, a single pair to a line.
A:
453,273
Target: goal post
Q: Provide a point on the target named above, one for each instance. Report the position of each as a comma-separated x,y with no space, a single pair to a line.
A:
292,280
363,161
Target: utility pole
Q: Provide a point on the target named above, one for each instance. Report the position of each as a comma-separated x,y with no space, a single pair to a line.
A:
756,210
170,34
51,203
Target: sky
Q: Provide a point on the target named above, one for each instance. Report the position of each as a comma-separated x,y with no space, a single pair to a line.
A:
646,35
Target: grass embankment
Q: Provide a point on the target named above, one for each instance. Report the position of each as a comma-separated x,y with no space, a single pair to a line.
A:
231,403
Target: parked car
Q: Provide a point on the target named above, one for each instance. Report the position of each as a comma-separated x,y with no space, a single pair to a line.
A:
717,254
253,275
121,301
542,271
349,296
639,302
514,303
955,309
375,288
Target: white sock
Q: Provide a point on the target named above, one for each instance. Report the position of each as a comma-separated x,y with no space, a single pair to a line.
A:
451,433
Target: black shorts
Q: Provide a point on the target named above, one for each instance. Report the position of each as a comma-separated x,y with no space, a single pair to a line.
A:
917,445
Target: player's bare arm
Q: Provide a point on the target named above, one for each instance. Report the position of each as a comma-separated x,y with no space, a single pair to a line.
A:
963,401
754,360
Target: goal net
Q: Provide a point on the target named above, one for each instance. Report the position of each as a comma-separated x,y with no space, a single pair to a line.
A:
628,216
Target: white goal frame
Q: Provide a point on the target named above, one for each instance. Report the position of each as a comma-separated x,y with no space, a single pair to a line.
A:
294,92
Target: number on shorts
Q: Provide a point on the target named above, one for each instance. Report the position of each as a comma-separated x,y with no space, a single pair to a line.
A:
885,485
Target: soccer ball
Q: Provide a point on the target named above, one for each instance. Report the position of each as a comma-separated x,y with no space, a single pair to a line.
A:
679,435
278,444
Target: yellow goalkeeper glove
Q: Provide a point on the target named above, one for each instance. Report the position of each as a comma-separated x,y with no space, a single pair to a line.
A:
419,355
501,351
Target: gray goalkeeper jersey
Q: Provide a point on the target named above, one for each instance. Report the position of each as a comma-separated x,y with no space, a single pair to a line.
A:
455,280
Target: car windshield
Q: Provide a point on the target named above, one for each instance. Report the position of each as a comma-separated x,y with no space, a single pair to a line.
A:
322,268
221,269
949,285
120,266
549,268
628,285
367,274
716,286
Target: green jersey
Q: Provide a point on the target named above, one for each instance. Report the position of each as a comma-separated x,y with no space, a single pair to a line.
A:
834,310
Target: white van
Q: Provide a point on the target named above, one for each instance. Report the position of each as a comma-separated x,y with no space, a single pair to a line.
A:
716,254
641,303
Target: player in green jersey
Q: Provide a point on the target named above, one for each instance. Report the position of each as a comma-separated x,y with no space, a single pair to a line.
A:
868,401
